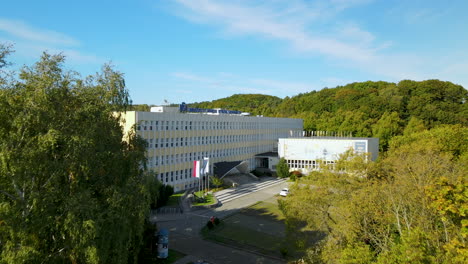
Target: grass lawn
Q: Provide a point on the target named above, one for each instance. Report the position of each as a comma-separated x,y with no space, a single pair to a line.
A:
261,228
209,199
241,229
174,199
265,209
243,237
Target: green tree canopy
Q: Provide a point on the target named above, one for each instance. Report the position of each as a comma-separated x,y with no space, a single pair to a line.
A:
282,168
71,191
255,104
364,109
410,207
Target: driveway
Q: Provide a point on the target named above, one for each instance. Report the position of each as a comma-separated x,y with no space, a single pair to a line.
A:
184,231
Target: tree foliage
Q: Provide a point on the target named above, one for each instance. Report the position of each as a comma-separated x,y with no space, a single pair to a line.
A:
282,169
410,207
363,109
216,181
71,191
256,104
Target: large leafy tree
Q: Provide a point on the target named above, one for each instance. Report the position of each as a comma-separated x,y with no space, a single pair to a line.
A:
70,189
410,207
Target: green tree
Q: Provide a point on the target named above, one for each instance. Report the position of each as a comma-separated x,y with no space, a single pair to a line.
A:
282,168
5,50
388,126
414,125
71,191
410,207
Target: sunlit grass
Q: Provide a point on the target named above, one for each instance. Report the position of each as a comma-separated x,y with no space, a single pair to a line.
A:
207,199
249,236
174,199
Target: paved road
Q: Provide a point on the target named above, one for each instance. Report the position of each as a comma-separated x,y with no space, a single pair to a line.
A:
184,228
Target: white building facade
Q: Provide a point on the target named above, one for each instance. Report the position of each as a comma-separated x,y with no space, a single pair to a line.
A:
175,139
305,154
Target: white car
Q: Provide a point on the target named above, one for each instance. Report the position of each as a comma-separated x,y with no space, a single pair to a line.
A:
284,192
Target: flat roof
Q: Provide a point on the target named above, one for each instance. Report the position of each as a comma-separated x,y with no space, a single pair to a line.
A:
329,137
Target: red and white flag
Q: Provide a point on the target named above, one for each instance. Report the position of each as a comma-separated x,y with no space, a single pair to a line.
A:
196,169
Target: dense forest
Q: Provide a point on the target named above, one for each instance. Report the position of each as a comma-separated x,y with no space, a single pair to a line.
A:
366,109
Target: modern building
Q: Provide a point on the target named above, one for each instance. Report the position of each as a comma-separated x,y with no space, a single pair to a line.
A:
305,154
177,136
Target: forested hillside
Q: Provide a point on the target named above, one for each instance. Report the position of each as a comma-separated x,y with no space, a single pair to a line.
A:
411,205
256,104
366,109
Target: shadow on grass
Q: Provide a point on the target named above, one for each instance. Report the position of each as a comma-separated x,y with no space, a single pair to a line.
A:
244,238
264,211
260,228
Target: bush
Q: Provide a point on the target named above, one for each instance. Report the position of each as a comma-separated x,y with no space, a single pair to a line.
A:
210,225
282,169
165,191
217,221
295,174
257,173
284,252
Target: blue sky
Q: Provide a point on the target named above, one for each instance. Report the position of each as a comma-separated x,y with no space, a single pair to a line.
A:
192,51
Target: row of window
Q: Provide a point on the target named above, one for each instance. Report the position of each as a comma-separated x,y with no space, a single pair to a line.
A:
159,125
177,175
189,157
306,164
197,141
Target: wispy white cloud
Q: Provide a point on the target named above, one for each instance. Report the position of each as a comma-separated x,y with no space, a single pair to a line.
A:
290,87
192,77
352,33
33,50
306,27
241,84
331,82
288,23
30,41
24,31
315,28
247,89
343,4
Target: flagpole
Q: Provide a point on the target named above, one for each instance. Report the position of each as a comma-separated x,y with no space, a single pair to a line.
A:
199,185
208,175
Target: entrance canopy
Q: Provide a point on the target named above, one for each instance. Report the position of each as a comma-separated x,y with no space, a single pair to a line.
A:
230,167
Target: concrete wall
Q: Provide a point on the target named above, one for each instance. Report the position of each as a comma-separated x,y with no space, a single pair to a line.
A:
304,154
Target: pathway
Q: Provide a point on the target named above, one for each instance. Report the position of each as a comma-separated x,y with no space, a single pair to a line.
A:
184,228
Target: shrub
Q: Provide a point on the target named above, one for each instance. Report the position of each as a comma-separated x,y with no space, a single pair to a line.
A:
284,252
210,225
165,191
295,174
282,169
217,221
257,173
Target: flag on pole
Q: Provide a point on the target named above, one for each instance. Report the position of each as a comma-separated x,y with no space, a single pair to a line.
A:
205,169
196,169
